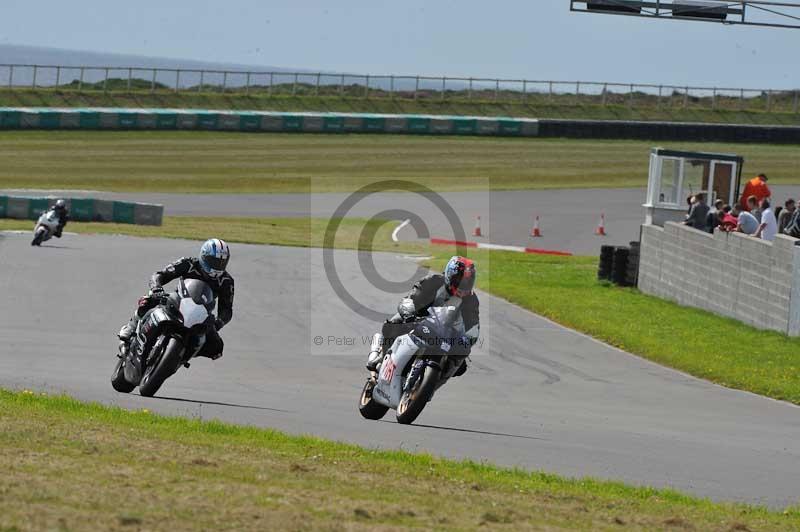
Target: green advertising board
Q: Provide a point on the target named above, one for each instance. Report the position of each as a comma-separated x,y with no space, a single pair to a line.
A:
36,206
416,124
123,212
292,123
49,120
81,209
89,120
166,121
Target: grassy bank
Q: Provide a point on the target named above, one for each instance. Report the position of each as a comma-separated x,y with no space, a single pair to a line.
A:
564,289
74,466
188,161
536,106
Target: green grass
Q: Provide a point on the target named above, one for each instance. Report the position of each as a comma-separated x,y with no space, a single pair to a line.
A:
184,161
541,106
297,231
69,465
564,289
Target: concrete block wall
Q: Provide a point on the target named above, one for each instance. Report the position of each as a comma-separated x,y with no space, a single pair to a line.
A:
730,274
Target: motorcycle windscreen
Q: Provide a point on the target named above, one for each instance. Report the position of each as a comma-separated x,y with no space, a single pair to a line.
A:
198,291
193,314
446,321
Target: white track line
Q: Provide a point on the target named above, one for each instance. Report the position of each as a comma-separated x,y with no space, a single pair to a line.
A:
397,229
500,247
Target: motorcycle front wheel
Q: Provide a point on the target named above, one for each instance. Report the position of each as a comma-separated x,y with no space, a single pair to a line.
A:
118,381
155,374
38,237
367,406
414,400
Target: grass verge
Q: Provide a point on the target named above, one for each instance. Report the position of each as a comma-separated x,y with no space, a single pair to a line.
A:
536,106
303,232
712,347
218,162
71,465
564,289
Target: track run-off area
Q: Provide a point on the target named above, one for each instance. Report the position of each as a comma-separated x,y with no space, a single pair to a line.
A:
568,218
537,396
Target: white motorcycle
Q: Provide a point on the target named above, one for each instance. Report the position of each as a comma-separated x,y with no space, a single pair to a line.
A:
416,365
45,227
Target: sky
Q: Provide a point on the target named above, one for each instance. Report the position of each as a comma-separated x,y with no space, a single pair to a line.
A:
533,39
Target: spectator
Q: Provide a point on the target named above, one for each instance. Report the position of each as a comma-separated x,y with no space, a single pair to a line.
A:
793,225
745,222
714,217
690,200
785,216
729,221
769,225
752,206
698,213
755,187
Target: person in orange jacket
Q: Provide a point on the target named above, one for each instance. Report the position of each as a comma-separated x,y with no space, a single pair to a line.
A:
755,187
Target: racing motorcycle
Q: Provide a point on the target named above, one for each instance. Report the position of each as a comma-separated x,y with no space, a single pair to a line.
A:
167,336
45,227
415,366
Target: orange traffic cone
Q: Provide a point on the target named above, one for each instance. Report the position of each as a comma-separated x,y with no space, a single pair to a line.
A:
601,226
477,230
535,231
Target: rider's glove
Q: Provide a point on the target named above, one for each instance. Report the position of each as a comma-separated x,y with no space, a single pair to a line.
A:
219,324
406,308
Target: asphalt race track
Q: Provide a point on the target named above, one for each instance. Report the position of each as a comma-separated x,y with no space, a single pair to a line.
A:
537,395
568,218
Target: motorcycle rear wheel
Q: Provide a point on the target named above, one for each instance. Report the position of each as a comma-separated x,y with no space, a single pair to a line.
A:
367,406
414,400
154,376
118,381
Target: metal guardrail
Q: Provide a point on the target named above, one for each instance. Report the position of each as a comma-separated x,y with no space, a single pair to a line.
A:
367,86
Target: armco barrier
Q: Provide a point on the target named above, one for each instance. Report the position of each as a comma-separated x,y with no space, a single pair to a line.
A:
148,119
84,210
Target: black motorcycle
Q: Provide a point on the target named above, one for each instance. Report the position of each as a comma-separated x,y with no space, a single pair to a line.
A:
167,336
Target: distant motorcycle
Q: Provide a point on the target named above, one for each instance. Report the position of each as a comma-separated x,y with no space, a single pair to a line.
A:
414,367
45,228
166,337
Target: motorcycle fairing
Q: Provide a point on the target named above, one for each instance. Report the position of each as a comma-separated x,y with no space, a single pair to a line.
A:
389,387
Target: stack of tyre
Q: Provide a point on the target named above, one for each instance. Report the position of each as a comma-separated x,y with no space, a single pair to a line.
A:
619,264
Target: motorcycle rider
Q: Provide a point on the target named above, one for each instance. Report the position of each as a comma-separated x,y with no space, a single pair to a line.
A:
209,267
454,286
60,208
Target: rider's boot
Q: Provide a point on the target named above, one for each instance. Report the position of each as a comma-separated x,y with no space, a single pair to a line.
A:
374,357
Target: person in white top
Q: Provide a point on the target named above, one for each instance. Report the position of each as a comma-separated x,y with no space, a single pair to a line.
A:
769,225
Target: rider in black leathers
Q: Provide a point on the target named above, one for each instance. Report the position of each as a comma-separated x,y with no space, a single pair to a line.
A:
220,281
435,290
60,208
